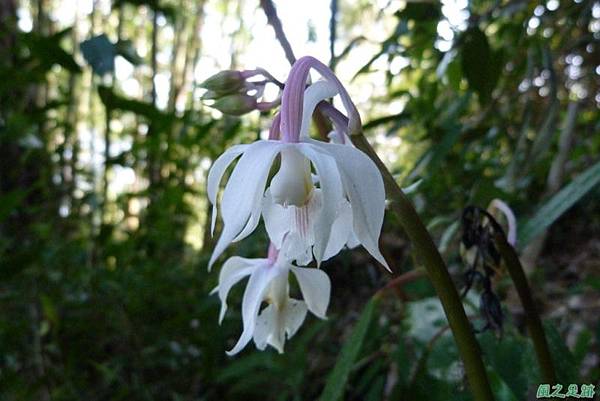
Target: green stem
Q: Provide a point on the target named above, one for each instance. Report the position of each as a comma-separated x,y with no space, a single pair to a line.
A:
533,321
439,276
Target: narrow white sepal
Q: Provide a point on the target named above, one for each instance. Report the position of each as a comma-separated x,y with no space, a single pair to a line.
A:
253,297
315,287
215,174
233,270
242,197
363,185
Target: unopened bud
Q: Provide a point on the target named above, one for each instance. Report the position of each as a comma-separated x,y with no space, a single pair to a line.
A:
227,81
211,95
236,105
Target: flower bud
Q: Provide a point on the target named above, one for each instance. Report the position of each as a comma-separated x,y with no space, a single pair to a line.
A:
223,82
236,104
211,95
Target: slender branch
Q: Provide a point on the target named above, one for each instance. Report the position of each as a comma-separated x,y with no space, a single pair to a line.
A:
332,33
153,54
439,276
275,22
320,122
533,321
404,278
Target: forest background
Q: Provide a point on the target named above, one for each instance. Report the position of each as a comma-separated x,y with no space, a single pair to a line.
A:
105,144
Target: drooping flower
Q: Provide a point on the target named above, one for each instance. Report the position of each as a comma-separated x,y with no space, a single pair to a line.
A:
499,205
317,221
269,283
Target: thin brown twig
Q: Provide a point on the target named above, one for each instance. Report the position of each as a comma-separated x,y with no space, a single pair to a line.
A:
269,8
405,278
271,13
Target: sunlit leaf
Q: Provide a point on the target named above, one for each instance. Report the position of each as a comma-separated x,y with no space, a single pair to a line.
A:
552,209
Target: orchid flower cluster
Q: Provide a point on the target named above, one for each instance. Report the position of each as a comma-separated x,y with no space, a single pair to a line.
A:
323,197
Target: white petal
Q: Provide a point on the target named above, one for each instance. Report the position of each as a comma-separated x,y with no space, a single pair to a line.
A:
363,185
316,92
297,248
331,188
277,219
242,198
353,242
215,175
253,297
265,325
341,231
273,324
233,270
295,313
316,289
298,243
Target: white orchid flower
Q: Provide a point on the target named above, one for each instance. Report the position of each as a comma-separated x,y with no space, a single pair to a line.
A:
269,283
316,221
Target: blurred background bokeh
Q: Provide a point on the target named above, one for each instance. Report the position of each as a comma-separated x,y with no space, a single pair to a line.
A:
105,144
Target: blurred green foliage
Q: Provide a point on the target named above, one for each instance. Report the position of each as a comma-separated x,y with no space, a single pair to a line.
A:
102,297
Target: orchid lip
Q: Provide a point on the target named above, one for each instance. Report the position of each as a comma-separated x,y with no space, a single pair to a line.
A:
292,185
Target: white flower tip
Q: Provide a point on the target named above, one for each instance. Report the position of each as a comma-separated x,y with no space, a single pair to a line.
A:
384,263
213,220
211,262
222,313
320,309
236,349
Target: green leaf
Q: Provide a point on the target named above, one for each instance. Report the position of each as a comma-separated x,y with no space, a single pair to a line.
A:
9,202
480,64
336,382
559,204
505,356
100,53
389,44
125,49
402,118
431,159
502,392
420,11
48,51
114,101
49,309
564,361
